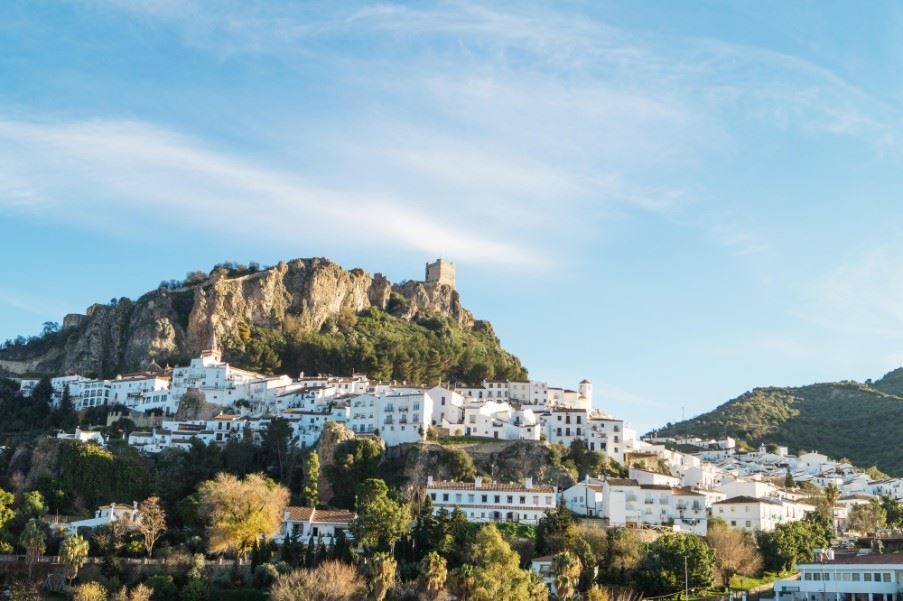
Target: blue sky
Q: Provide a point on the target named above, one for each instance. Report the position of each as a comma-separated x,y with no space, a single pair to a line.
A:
679,201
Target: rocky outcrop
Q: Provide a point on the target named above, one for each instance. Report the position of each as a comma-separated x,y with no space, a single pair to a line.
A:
333,435
169,325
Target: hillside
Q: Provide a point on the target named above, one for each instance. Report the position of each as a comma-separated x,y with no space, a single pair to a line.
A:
861,422
306,315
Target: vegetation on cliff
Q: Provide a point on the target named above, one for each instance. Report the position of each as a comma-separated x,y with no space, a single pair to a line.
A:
841,419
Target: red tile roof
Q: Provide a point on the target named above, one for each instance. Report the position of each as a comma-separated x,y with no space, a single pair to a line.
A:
309,514
895,558
491,486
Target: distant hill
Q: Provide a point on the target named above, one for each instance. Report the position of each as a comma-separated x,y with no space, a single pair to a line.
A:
306,315
861,422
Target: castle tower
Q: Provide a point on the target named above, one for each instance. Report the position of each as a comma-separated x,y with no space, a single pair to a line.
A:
441,271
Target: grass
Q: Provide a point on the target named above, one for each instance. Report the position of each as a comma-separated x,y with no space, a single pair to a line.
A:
746,583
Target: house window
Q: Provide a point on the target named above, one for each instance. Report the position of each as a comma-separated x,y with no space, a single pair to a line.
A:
445,496
498,499
484,499
855,576
867,576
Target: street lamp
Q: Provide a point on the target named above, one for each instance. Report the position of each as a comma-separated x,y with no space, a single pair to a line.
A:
686,580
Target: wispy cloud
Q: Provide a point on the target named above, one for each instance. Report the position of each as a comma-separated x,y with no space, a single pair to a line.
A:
863,295
132,173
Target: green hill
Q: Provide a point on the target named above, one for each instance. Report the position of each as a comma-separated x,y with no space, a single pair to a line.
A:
862,422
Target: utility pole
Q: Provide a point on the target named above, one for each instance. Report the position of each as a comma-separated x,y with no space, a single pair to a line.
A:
686,581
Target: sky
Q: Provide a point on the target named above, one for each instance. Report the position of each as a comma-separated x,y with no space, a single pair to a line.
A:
677,201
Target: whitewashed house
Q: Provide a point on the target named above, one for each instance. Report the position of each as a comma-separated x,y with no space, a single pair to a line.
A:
752,514
83,436
397,418
492,501
586,498
306,523
104,516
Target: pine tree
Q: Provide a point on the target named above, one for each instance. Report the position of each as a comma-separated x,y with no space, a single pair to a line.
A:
311,480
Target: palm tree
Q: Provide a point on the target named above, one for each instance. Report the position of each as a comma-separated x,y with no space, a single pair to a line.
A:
34,543
73,553
433,573
567,570
381,569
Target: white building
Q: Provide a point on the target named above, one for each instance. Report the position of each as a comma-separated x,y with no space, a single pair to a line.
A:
601,432
627,502
403,417
586,498
104,516
83,436
306,523
492,501
861,578
752,514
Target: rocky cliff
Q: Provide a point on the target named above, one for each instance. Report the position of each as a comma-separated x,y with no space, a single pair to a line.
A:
173,323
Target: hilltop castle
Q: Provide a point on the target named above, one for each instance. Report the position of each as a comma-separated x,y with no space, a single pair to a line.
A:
441,271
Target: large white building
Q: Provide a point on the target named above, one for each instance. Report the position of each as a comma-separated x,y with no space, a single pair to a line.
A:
601,432
493,501
401,417
861,578
752,513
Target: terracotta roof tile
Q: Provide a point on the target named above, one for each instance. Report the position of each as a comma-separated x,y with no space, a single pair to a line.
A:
491,486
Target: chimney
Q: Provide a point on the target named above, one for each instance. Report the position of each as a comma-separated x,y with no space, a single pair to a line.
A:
429,480
477,482
528,483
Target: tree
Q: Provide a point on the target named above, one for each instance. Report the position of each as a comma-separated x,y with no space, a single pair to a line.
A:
330,581
380,521
276,444
555,531
735,552
312,480
661,571
625,551
793,542
73,554
66,416
867,517
893,509
433,573
152,522
567,570
240,513
788,480
90,591
139,593
494,572
34,543
381,569
875,474
6,515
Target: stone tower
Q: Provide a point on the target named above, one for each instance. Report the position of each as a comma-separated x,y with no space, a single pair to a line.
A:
441,271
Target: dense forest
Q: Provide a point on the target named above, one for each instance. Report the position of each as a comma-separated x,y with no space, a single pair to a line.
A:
857,421
381,345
